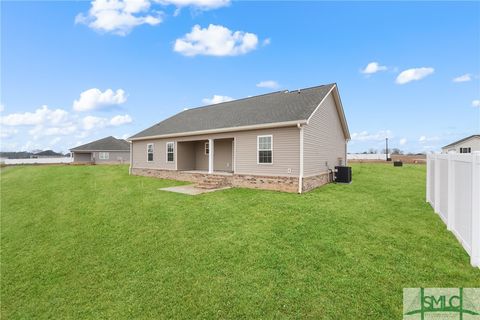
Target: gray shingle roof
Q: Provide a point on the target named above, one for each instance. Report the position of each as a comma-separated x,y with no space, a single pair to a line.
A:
105,144
461,140
274,107
48,153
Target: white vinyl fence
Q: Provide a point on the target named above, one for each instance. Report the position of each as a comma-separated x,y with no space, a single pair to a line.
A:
38,161
453,190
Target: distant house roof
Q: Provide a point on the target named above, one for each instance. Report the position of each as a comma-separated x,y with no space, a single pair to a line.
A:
276,107
47,153
461,140
105,144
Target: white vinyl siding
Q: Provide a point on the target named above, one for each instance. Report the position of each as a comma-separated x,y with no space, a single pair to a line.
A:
324,140
286,152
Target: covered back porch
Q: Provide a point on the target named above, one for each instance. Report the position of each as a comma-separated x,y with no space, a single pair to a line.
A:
207,156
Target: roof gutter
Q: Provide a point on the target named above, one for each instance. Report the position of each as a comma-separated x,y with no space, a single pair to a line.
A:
222,130
104,150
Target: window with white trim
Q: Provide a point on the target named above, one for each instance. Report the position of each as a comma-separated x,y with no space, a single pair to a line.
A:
170,151
265,149
150,152
466,150
103,155
207,148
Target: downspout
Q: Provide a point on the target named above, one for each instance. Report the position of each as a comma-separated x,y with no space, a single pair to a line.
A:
346,150
131,158
300,175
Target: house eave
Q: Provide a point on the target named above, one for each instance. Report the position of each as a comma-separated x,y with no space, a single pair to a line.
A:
85,151
223,130
453,144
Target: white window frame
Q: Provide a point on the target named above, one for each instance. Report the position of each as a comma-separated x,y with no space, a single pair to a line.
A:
207,148
104,155
166,151
258,149
153,152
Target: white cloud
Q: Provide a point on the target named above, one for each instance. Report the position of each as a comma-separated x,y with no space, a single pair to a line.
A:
216,99
54,123
120,120
124,136
425,139
7,132
463,78
268,84
200,4
373,67
43,122
119,16
42,130
45,127
366,136
403,141
476,103
95,99
413,74
92,122
30,146
54,141
215,40
42,115
266,42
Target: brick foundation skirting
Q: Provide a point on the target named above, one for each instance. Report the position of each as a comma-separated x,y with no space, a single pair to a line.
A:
276,183
174,175
312,182
286,184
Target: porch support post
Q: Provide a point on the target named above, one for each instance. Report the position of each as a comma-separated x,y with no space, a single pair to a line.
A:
210,155
475,254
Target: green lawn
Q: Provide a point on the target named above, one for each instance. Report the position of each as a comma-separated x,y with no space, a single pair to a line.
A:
93,242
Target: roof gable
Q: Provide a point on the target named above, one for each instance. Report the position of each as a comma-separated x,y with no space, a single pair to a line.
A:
462,140
276,107
105,144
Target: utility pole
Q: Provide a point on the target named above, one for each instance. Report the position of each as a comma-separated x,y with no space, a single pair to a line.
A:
386,149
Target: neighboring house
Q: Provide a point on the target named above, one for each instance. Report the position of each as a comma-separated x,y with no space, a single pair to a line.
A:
104,151
287,140
465,145
46,154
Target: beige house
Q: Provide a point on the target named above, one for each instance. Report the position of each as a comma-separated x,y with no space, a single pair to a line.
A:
287,140
466,145
109,150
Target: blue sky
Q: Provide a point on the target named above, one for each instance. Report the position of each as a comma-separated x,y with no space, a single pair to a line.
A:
72,72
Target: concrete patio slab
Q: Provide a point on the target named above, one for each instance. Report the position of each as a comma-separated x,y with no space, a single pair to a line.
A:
190,189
